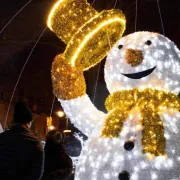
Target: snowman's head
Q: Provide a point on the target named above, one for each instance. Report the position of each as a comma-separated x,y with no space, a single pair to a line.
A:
143,60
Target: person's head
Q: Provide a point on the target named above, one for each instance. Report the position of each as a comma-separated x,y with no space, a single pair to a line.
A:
22,114
55,137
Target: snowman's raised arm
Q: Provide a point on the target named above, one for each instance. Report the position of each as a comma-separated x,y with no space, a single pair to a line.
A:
89,35
82,113
70,88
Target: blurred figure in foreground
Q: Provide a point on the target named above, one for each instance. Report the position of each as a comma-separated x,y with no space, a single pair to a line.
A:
58,165
21,153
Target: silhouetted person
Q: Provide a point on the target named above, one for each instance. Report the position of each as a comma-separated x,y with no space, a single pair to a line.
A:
21,153
58,165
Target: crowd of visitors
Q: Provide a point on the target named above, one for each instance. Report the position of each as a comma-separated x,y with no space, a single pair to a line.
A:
22,155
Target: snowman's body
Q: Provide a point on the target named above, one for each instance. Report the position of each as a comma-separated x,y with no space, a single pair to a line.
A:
106,158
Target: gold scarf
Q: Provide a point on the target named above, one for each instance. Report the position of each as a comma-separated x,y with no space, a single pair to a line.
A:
150,103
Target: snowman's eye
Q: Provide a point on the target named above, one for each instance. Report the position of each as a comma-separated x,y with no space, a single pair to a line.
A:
148,42
120,46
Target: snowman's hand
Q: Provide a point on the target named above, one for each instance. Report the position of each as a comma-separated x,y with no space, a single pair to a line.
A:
68,82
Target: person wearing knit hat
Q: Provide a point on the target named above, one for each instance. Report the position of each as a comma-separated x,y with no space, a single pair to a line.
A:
21,153
57,164
22,113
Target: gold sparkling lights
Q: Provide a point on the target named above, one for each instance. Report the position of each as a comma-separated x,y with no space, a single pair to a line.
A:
68,82
150,103
91,44
87,33
134,57
67,16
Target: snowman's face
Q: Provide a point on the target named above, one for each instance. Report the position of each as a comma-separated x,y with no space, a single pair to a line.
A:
143,60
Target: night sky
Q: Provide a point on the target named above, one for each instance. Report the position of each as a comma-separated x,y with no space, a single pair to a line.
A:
19,37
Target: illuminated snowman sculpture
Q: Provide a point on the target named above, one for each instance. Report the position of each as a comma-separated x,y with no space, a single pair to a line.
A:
138,139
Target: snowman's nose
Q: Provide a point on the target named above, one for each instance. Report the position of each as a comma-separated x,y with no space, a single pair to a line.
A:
134,57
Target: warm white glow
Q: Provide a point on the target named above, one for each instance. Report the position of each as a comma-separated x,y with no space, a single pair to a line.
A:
67,131
60,114
51,127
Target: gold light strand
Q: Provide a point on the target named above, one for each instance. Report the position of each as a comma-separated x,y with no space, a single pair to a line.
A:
68,82
84,30
150,103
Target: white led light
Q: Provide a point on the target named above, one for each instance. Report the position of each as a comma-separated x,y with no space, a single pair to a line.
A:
144,165
154,176
107,176
134,176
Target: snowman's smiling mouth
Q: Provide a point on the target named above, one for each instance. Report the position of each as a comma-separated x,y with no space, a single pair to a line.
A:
139,75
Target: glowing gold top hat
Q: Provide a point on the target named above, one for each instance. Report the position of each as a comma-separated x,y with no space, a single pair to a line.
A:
87,33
